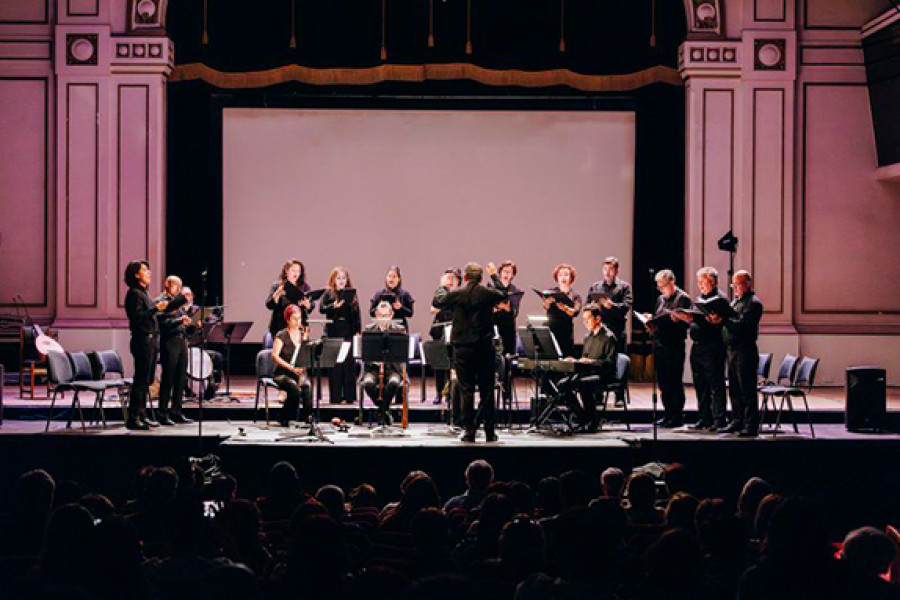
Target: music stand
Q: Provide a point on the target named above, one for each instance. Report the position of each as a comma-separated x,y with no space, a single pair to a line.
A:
229,333
386,347
315,356
436,354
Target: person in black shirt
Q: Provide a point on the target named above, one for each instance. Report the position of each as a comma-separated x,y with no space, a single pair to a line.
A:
472,338
740,334
707,357
345,323
382,381
141,313
293,272
615,299
560,315
400,300
450,280
505,314
292,380
173,355
668,347
599,350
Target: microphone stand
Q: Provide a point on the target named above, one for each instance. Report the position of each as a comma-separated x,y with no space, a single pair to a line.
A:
201,388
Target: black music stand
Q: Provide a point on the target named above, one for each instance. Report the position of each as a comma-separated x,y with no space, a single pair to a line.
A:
315,356
436,354
386,347
228,334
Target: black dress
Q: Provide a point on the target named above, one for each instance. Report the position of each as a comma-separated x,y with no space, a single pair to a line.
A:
144,349
345,323
406,300
276,321
562,325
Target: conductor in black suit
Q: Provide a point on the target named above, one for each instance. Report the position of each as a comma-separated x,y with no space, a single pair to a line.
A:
472,307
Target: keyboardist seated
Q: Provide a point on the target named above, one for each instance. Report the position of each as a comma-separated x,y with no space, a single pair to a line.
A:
599,353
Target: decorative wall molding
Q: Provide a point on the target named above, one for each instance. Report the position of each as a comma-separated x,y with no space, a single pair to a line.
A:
147,17
705,18
81,49
718,59
769,54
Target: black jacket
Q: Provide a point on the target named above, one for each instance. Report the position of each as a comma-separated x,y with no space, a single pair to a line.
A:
472,307
621,297
277,322
141,311
743,329
406,300
346,320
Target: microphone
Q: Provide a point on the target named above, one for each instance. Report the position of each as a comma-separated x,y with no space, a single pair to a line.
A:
652,273
204,273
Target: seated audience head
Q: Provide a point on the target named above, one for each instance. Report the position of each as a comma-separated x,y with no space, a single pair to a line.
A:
869,552
674,566
98,505
479,475
752,494
332,498
67,552
677,478
363,495
641,492
764,514
681,511
547,497
796,537
430,529
522,543
613,482
575,489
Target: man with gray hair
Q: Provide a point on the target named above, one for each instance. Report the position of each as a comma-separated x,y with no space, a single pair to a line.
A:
668,335
472,338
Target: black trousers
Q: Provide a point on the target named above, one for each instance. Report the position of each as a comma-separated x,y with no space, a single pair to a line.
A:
742,364
475,365
143,352
173,358
708,368
298,395
342,381
370,386
441,377
587,387
669,362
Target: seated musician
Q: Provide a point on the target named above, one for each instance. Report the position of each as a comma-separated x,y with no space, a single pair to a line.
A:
599,351
381,381
212,383
289,378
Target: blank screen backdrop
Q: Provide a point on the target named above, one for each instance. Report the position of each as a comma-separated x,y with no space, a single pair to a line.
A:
424,190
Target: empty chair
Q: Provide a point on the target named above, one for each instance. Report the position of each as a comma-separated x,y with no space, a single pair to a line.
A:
265,370
763,369
62,374
802,385
785,379
108,367
623,370
84,380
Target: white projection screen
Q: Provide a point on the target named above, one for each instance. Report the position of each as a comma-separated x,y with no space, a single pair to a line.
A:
424,190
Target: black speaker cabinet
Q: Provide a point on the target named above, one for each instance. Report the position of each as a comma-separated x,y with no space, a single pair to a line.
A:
866,408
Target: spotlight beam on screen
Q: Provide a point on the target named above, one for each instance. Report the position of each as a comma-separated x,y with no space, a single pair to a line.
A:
424,190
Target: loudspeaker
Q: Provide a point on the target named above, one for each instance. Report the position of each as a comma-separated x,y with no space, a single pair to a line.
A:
866,408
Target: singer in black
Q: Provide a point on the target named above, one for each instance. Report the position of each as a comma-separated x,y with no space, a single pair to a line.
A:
290,378
291,278
668,347
560,315
707,357
450,280
343,312
173,355
615,299
382,380
141,313
599,352
740,334
473,346
400,300
505,314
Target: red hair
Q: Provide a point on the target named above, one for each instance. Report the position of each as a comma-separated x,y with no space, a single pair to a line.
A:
289,311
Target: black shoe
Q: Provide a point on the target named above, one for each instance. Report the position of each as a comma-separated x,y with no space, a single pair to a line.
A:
180,419
165,420
136,425
665,423
388,419
490,436
148,422
700,426
718,426
735,427
438,401
749,432
284,423
468,437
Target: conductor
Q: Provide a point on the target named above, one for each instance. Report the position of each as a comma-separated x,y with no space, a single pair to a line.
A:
472,307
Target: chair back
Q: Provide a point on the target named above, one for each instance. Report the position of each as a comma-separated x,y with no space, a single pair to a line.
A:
764,366
60,369
623,366
81,366
265,364
417,346
268,340
110,362
787,369
806,372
